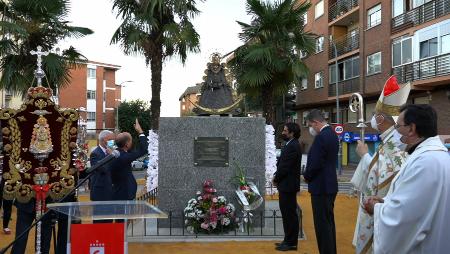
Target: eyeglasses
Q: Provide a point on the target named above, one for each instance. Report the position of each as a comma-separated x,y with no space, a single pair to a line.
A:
400,125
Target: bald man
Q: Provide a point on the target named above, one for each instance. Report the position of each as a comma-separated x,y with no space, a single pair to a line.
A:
124,184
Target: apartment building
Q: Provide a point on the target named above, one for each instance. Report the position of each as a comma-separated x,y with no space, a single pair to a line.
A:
93,87
191,94
360,44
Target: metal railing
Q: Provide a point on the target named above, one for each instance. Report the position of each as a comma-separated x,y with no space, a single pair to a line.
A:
344,44
424,69
421,14
340,7
271,219
150,197
345,87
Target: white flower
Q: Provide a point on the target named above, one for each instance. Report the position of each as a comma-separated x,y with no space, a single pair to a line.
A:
214,200
186,221
225,221
199,198
221,199
198,193
213,224
230,208
190,229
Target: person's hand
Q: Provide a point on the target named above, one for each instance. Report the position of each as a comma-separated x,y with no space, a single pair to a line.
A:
137,127
109,151
369,204
362,148
304,180
274,183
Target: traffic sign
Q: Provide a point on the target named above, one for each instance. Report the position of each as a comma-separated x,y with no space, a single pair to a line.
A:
339,129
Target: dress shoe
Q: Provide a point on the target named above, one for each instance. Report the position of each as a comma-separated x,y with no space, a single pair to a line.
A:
280,243
285,247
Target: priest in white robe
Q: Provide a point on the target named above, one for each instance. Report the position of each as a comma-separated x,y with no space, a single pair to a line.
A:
374,174
414,216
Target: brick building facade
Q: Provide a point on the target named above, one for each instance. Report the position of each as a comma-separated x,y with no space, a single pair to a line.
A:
373,40
94,88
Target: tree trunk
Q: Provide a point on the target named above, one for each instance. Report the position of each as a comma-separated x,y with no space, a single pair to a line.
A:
156,68
267,104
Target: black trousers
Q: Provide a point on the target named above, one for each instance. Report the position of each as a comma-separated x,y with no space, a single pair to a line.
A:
323,206
288,208
24,219
7,206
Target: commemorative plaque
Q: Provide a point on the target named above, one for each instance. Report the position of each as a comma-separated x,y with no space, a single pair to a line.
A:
211,152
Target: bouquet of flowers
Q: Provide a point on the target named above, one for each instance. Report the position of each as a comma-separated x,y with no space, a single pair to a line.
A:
247,192
209,213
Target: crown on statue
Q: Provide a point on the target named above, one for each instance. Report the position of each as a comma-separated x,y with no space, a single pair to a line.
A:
40,92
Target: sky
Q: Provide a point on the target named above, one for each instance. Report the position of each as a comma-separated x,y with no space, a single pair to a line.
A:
216,25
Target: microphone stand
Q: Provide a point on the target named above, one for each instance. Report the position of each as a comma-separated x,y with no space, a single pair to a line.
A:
3,251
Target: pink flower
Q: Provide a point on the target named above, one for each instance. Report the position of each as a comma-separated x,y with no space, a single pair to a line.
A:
204,225
222,210
214,200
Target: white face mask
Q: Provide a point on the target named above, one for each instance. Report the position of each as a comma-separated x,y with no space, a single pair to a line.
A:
312,131
396,139
373,123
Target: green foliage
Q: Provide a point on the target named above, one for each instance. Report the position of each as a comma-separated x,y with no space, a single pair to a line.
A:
26,24
156,29
128,112
269,63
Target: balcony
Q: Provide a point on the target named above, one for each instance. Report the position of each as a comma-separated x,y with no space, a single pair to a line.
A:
344,44
421,14
340,7
424,69
345,87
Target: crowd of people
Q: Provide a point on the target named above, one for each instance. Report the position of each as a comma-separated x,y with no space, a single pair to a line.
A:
404,187
112,181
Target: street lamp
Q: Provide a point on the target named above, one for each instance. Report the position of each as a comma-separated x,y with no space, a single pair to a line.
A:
119,100
338,120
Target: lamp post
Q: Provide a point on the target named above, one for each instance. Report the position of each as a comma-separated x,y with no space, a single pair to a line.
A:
120,101
338,120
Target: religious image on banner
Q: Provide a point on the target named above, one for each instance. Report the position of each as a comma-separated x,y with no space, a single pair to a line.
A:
38,141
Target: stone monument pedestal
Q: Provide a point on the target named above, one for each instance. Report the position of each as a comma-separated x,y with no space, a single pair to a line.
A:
184,162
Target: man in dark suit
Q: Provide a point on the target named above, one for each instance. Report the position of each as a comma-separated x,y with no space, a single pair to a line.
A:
320,174
287,180
100,183
124,184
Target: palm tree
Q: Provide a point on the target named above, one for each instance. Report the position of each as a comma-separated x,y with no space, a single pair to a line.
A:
27,24
156,29
269,62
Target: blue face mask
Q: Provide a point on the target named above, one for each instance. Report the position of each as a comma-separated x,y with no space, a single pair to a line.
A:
110,144
447,145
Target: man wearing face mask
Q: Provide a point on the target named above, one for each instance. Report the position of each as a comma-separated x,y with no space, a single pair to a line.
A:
123,181
413,217
320,174
100,183
374,174
287,180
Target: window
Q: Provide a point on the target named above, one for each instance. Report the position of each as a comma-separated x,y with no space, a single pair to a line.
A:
347,69
304,84
417,3
91,73
397,8
304,114
428,48
305,18
90,116
370,109
421,100
445,44
401,51
374,63
319,44
319,9
374,16
183,107
318,80
90,94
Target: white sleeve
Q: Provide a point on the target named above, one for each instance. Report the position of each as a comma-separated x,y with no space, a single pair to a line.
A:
403,218
360,176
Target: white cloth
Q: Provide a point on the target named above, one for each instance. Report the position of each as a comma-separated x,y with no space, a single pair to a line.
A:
373,177
414,217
